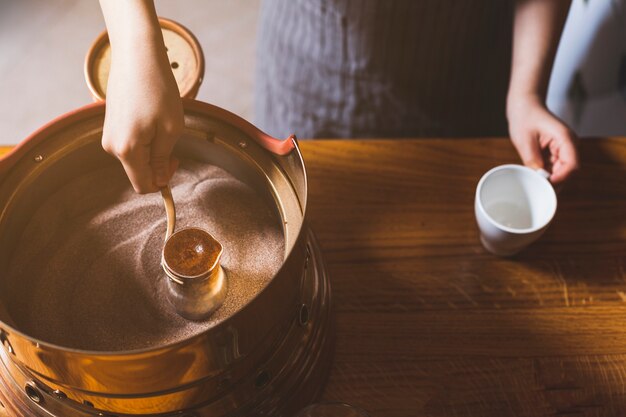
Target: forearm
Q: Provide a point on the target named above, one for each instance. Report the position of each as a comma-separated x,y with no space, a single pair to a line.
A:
144,114
541,139
536,32
133,27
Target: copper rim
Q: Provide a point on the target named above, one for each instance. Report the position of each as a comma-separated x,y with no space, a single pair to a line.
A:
267,357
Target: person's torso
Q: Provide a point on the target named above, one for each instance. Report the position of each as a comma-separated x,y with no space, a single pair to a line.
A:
389,67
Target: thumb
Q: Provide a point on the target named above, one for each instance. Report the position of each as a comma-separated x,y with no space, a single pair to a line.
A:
529,150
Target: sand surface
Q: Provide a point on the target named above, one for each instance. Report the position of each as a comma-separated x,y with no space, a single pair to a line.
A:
86,270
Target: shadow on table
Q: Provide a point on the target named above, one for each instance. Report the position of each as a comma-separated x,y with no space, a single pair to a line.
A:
427,320
587,235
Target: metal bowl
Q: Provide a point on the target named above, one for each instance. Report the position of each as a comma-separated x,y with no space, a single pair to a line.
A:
269,358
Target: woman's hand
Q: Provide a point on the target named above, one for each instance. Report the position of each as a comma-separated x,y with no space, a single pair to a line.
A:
533,128
144,115
541,139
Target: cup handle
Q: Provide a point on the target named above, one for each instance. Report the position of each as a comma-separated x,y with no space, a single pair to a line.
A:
543,173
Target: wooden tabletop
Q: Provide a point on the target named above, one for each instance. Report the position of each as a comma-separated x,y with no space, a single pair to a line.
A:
429,324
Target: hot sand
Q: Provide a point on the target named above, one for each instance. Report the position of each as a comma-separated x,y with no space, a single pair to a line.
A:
86,272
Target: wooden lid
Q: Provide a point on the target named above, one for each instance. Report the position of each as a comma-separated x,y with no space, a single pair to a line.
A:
183,50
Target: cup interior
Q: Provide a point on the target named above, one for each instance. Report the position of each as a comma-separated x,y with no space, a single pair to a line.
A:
517,198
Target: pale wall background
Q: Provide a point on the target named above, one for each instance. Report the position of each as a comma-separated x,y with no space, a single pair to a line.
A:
43,44
588,84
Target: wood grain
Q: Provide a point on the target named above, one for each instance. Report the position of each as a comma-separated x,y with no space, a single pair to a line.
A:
429,324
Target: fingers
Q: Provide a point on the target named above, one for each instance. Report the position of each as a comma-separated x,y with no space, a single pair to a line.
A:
174,162
537,133
140,176
135,158
145,154
161,160
564,156
529,150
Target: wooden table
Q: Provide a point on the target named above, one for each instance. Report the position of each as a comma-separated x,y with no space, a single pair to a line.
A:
429,324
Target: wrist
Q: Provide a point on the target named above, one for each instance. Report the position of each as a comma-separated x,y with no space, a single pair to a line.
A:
517,102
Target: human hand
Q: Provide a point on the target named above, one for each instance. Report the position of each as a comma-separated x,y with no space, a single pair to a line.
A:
537,134
144,114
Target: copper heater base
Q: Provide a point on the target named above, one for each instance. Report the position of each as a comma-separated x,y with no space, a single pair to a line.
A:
299,382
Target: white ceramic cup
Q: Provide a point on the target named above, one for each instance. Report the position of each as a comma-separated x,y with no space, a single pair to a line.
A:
514,205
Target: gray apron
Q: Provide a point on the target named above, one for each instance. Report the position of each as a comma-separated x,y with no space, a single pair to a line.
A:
383,68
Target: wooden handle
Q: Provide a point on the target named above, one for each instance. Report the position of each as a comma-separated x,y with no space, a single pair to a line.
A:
170,210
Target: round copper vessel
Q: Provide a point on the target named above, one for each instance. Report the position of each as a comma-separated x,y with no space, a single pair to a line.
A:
271,357
183,50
